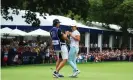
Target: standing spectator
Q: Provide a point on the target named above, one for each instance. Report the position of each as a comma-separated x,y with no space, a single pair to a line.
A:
5,56
2,55
15,60
33,44
45,43
86,58
37,50
123,56
42,54
130,56
118,55
48,55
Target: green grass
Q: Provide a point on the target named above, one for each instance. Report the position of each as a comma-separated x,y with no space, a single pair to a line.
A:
89,71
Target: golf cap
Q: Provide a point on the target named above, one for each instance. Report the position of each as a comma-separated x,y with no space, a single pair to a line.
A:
55,21
73,25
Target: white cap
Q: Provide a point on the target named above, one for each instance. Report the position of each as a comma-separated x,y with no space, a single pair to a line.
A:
73,25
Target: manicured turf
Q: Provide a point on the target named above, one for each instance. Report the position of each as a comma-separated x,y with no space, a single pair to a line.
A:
89,71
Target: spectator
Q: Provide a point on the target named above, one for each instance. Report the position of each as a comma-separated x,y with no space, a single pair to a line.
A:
5,59
15,60
36,52
47,55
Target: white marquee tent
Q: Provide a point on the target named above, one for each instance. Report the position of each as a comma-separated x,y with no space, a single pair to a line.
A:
7,30
38,32
65,21
19,32
14,32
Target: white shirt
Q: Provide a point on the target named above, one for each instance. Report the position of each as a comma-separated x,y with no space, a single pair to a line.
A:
15,58
45,44
74,42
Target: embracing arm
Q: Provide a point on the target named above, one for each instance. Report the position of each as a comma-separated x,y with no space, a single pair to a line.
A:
77,37
64,36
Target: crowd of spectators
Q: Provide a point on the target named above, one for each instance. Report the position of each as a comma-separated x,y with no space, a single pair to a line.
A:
26,52
106,55
36,52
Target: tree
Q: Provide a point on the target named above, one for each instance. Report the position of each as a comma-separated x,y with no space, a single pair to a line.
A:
119,12
124,17
103,10
95,11
58,7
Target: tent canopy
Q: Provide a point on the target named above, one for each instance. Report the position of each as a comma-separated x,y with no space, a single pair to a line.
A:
46,24
19,21
15,32
19,32
65,21
7,30
38,32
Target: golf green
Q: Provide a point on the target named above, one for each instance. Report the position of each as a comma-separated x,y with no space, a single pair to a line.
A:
89,71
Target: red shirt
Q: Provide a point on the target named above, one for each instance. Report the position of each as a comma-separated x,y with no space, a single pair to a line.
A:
20,50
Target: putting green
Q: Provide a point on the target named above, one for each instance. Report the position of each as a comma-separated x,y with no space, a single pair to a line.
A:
89,71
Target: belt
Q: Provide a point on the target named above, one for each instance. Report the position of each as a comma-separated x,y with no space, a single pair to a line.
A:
63,43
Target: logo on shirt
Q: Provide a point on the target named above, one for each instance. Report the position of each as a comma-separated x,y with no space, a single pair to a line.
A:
53,34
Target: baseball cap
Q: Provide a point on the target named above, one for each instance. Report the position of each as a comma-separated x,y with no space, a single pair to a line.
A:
55,21
73,25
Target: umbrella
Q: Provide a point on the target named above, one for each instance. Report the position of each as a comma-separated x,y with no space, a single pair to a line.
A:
38,32
19,32
6,31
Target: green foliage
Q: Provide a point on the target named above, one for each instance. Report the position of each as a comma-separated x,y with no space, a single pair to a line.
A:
95,11
118,12
109,4
124,13
112,12
76,17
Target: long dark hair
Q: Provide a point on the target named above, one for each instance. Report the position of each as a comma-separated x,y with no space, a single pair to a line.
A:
54,24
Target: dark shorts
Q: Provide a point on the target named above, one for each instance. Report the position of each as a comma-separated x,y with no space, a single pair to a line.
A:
60,57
